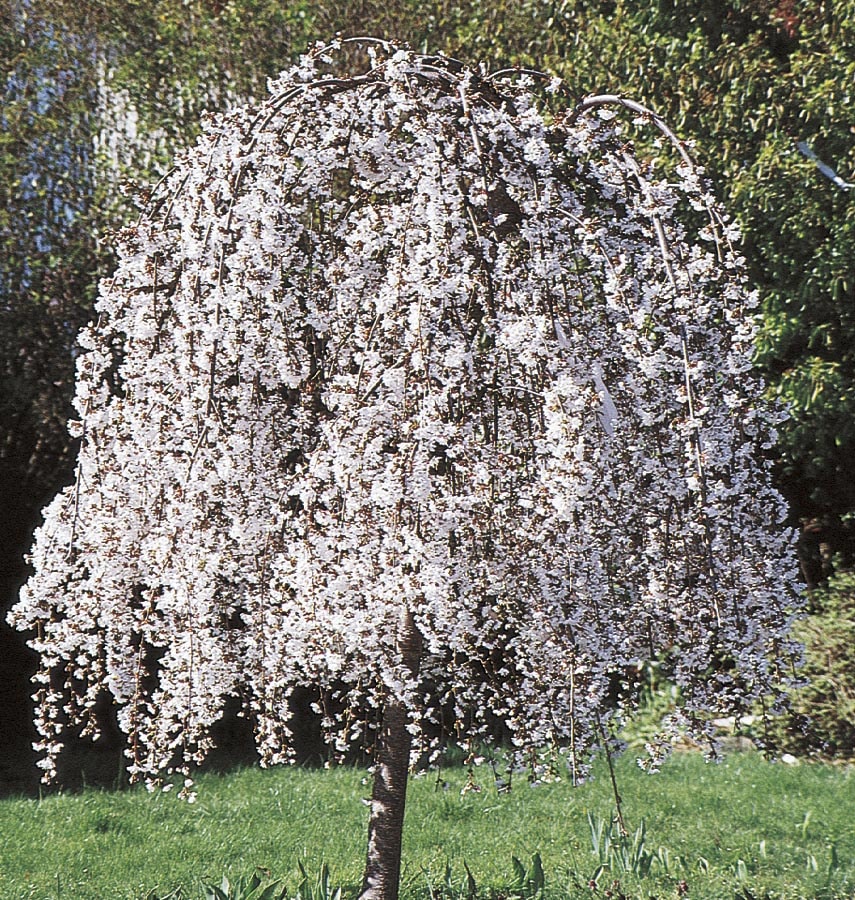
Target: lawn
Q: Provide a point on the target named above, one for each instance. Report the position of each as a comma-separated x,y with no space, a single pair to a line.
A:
744,828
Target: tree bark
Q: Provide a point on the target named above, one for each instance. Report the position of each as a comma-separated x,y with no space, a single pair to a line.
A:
388,795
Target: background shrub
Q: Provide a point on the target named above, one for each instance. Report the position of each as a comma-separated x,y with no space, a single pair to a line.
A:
822,715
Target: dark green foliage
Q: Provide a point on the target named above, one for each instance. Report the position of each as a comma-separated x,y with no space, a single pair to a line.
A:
179,58
49,251
49,257
822,718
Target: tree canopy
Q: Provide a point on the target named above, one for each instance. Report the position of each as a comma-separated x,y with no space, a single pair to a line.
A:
394,345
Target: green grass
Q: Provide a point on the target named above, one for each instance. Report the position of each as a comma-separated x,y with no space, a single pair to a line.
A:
741,829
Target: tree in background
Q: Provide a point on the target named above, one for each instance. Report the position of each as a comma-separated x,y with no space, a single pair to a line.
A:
406,392
49,257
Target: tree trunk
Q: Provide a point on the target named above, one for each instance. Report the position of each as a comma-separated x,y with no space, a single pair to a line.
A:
388,796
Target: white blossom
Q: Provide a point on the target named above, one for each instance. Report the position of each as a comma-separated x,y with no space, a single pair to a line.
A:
395,343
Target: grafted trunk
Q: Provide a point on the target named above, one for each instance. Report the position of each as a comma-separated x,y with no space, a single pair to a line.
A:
388,796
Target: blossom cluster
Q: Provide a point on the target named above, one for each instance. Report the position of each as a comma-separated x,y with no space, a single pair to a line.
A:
401,343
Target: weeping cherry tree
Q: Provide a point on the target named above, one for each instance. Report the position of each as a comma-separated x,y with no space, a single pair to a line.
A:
417,388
